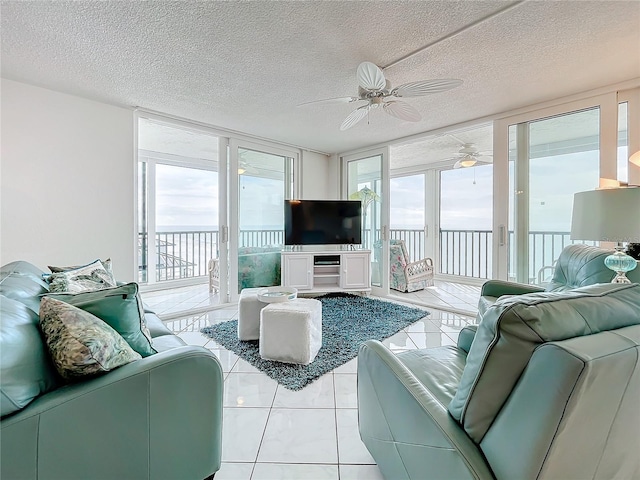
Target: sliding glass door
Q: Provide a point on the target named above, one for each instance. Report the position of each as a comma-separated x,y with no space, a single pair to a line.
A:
367,180
548,165
179,203
261,180
408,213
465,214
542,160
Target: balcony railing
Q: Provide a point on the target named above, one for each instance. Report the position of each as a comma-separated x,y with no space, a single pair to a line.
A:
182,254
466,253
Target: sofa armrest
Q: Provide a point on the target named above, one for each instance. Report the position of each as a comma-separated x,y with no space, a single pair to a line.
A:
466,336
158,417
497,288
406,429
420,268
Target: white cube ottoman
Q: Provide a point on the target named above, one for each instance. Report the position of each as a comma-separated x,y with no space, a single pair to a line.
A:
291,332
249,308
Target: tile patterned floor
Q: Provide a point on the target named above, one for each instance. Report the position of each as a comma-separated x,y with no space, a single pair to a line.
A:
270,432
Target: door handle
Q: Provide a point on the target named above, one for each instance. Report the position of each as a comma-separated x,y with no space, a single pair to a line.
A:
501,235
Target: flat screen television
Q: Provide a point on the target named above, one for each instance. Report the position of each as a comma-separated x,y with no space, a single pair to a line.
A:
322,222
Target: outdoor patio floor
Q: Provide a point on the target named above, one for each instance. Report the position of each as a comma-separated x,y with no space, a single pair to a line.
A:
448,296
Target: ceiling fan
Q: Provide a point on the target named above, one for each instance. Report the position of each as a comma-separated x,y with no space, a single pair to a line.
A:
469,155
245,167
376,91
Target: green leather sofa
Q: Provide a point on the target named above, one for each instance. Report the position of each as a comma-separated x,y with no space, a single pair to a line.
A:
159,417
577,266
546,387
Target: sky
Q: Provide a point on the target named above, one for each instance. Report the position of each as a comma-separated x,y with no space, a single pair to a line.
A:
186,197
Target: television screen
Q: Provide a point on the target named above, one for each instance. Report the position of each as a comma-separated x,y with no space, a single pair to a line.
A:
322,222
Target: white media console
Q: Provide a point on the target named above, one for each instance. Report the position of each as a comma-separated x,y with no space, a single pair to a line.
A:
327,270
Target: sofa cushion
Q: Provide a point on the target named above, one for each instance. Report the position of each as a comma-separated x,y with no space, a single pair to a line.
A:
167,342
79,343
156,327
512,329
121,307
83,279
23,282
25,368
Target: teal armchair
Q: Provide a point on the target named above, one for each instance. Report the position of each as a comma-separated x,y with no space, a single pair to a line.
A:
258,267
577,266
546,387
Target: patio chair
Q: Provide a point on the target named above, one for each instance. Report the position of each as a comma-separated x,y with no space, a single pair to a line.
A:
214,275
407,276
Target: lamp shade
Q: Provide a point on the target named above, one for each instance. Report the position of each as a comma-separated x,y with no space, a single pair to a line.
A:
610,215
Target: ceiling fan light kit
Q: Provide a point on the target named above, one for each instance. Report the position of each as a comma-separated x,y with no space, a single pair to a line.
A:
468,162
469,156
375,89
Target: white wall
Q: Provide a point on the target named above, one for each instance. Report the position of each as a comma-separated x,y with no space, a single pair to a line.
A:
319,180
67,180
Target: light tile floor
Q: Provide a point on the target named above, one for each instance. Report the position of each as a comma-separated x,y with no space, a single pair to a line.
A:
270,432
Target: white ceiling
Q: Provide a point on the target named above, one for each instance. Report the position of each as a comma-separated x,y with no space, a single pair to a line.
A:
245,66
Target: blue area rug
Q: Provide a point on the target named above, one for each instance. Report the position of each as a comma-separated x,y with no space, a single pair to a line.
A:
347,321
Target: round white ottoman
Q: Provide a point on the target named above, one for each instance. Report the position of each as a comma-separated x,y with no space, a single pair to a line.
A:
291,332
249,314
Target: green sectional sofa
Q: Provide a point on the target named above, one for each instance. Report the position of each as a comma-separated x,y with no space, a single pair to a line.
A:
158,417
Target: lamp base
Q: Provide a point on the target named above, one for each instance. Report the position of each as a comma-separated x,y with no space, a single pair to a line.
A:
621,277
621,263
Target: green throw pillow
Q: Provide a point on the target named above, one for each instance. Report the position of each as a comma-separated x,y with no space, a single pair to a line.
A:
121,308
79,343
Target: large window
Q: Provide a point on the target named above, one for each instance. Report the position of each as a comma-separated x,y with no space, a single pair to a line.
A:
407,215
177,201
550,160
466,216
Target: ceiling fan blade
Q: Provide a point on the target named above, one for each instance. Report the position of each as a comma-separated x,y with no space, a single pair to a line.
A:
329,101
354,117
402,110
370,76
425,87
458,164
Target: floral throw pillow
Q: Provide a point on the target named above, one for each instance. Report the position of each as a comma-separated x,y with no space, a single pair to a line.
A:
79,343
83,279
105,263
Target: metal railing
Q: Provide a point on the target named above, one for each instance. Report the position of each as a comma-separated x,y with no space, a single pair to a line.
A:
258,238
180,254
468,253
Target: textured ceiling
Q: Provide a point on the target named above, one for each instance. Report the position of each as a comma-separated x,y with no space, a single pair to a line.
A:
246,65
